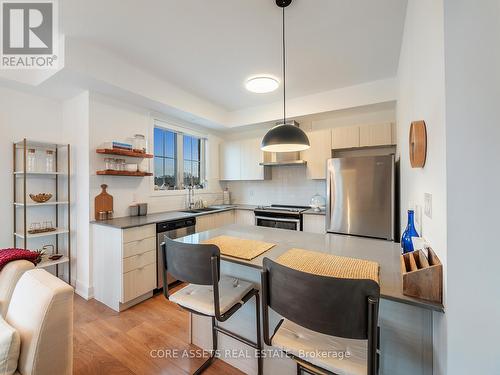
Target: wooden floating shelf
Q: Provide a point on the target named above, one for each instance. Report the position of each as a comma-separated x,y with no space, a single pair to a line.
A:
123,173
115,151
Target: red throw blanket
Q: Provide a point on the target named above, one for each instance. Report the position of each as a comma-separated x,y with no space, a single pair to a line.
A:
10,255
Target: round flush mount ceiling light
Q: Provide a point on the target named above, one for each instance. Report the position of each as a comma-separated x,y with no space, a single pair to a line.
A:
262,84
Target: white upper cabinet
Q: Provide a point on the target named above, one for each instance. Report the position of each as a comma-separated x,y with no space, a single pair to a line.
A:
240,160
376,135
318,154
229,159
251,157
345,137
363,136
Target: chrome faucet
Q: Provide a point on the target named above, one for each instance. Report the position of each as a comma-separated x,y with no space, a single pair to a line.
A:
190,197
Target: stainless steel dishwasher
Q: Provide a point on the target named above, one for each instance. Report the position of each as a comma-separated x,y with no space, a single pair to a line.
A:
172,229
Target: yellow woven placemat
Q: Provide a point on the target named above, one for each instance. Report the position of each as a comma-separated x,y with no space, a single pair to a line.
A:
329,265
239,247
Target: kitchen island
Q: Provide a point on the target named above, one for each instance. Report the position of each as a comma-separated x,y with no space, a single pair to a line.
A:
406,323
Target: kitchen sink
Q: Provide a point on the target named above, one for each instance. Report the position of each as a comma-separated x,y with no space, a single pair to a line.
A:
200,210
207,209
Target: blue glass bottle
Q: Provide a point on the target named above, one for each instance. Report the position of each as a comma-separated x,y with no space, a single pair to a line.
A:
410,231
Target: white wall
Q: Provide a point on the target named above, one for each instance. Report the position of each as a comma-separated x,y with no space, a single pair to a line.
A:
422,97
289,185
22,116
472,54
111,119
75,119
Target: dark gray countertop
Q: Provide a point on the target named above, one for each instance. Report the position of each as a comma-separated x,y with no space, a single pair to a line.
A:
386,253
249,207
138,221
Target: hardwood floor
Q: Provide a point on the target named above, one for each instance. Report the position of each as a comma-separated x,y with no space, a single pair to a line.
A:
107,342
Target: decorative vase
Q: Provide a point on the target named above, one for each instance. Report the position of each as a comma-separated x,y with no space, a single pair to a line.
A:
410,231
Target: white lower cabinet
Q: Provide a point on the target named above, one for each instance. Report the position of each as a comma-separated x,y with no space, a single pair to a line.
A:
124,265
138,282
139,261
204,222
244,217
124,261
312,223
224,218
215,220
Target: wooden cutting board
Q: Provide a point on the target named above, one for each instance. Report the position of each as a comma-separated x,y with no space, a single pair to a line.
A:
103,202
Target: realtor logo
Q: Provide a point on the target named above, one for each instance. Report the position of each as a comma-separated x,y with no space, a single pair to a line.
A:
28,34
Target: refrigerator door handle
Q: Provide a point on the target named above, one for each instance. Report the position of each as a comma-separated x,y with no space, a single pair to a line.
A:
330,193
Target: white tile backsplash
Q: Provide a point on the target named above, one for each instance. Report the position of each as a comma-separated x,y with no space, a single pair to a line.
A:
289,185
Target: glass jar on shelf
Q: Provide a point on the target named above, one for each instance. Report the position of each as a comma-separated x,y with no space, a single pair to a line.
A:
139,143
109,164
50,161
120,164
31,160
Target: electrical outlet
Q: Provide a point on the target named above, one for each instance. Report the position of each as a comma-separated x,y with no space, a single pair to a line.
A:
428,205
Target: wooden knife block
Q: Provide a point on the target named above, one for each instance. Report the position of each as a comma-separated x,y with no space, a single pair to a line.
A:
422,276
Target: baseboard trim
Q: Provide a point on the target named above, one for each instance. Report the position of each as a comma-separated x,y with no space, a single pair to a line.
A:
84,291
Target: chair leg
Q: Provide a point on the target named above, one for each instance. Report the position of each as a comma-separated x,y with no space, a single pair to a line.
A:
210,360
260,364
299,369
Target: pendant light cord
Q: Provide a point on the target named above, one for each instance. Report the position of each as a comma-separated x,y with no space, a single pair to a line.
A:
284,70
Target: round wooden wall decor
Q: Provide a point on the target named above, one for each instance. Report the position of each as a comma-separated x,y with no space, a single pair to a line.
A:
418,144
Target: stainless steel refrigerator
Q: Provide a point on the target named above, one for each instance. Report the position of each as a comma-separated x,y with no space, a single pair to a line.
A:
360,194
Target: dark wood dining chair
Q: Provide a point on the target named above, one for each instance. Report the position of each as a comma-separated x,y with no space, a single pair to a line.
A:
324,319
209,293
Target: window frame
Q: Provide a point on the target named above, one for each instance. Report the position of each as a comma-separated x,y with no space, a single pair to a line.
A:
180,132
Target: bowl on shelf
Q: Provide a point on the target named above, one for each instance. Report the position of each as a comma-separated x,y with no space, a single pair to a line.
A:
131,167
40,197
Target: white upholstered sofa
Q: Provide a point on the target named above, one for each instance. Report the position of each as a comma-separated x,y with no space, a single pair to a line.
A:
9,276
36,334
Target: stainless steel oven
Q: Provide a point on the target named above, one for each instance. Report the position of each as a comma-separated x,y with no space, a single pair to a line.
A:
280,223
172,229
280,217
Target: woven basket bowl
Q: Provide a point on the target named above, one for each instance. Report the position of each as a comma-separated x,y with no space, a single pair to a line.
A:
41,197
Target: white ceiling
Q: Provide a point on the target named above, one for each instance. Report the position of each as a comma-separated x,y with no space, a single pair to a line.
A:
209,47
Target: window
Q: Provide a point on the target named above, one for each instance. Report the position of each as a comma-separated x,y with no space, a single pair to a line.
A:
165,160
178,160
192,162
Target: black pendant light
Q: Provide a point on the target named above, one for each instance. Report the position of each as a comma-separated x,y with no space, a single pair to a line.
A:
284,137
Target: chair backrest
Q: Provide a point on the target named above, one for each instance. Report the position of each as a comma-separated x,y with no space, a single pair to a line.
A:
333,306
9,276
41,310
191,263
